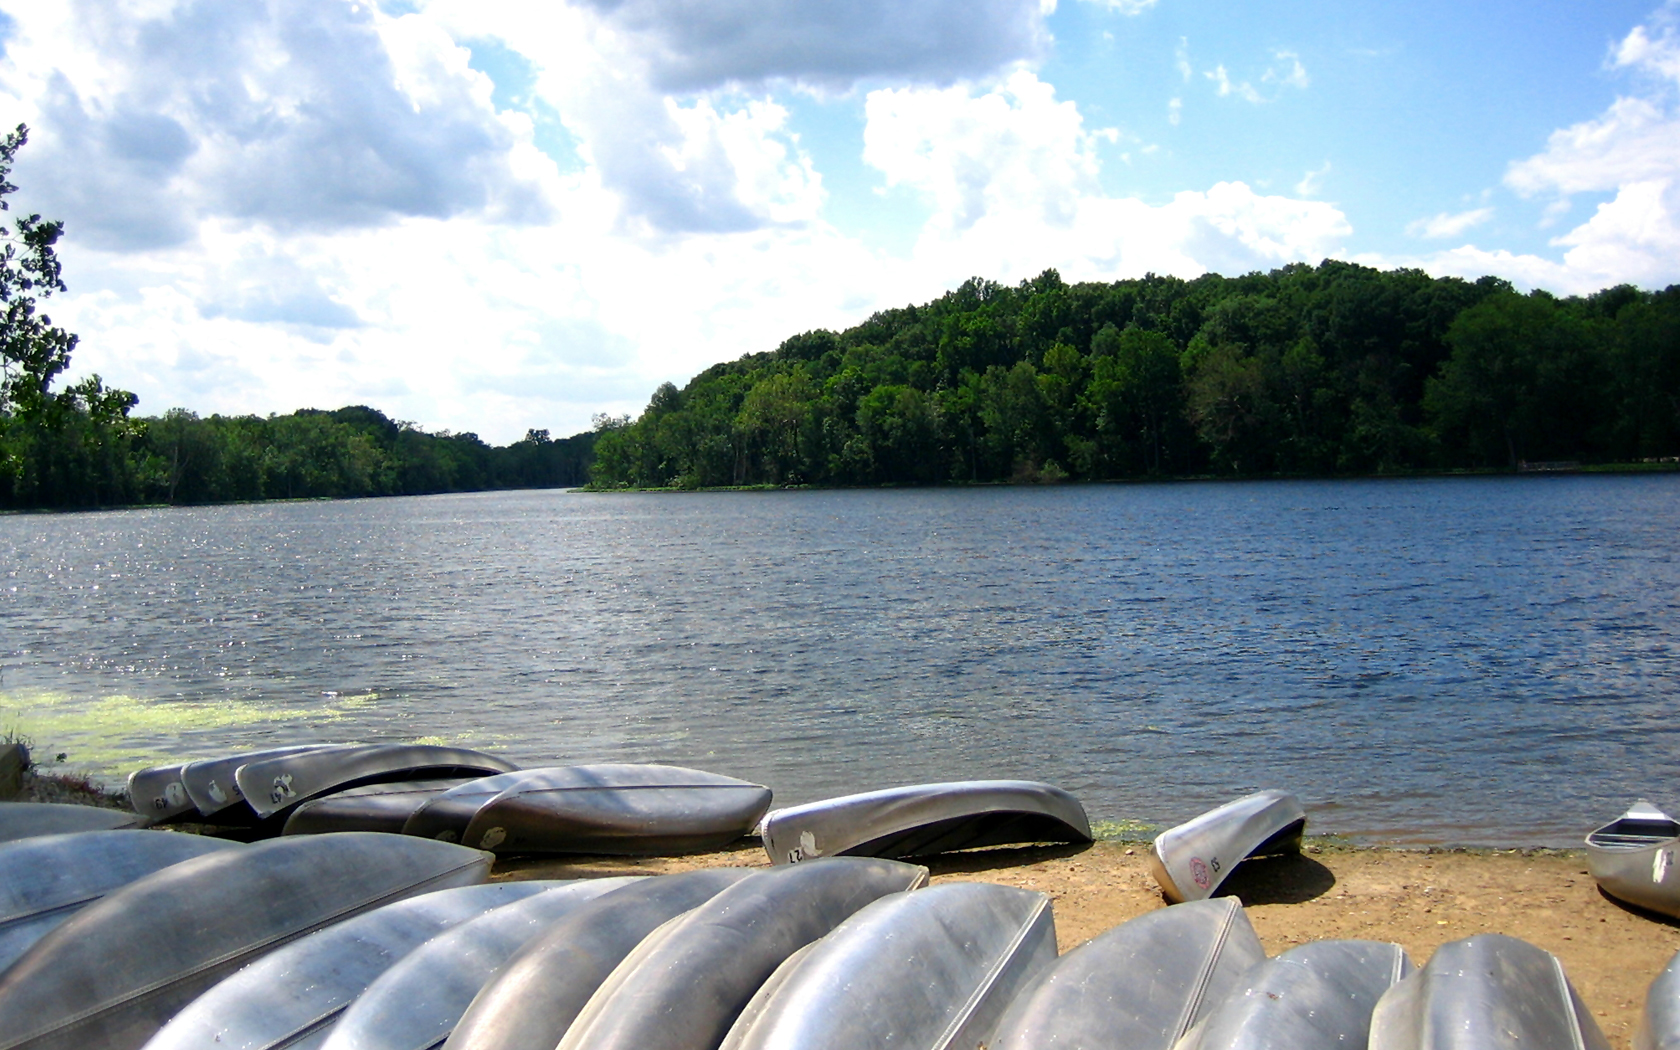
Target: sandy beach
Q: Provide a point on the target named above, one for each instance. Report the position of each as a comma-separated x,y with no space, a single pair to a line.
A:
1419,899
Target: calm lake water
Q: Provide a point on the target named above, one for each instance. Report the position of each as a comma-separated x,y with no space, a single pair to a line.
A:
1486,660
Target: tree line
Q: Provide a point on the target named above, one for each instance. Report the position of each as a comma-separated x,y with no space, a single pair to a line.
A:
1338,369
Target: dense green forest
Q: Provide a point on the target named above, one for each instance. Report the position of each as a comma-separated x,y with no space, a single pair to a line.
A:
1326,370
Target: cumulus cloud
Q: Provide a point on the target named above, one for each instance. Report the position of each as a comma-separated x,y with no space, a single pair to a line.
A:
830,43
1012,176
1285,71
300,114
1126,7
1445,225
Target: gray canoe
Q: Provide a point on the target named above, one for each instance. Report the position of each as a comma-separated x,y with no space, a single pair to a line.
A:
930,970
1633,858
1141,985
414,1005
158,794
271,785
23,820
211,786
705,965
1315,997
112,974
1659,1025
1488,992
924,819
371,807
46,879
323,973
1191,860
617,808
539,992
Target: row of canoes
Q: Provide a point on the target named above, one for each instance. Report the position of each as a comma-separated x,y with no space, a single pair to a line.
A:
370,941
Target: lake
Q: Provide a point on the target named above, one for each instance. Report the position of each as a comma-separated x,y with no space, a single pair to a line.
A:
1463,660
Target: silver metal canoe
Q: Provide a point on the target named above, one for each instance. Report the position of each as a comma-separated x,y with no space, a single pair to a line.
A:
158,794
212,788
290,998
1488,992
1633,858
1659,1025
930,970
924,819
46,879
414,1005
23,820
1191,860
112,974
371,807
1141,985
271,785
627,809
685,984
540,991
1315,997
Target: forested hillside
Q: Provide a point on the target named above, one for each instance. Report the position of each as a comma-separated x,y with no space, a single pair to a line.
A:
1334,369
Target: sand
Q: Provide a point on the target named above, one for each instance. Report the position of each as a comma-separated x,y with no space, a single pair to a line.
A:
1416,898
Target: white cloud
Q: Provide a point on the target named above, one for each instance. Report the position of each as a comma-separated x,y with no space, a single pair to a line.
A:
1126,7
1181,59
1446,226
1175,111
1285,71
1312,181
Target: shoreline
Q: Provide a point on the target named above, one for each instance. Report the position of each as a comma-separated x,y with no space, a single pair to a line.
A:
1419,898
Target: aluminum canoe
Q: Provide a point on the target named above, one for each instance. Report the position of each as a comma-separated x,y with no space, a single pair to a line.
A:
930,970
1191,860
24,820
1488,992
1659,1025
705,965
158,794
924,819
371,807
1315,997
415,1004
213,790
114,973
271,785
46,879
1141,985
616,808
539,992
1633,858
290,998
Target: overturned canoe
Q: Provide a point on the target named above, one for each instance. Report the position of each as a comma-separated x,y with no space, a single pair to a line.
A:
414,1005
323,973
616,808
1141,985
371,807
1191,860
214,791
158,794
1632,857
112,974
1659,1025
930,970
1315,997
924,819
539,992
24,820
271,785
46,879
1488,992
683,987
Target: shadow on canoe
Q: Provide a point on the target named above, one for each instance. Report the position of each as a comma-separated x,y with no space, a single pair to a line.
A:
967,862
1289,878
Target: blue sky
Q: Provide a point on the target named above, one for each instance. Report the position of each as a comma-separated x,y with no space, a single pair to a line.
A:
495,216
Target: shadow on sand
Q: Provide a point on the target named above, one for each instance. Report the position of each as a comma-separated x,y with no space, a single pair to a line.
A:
1290,878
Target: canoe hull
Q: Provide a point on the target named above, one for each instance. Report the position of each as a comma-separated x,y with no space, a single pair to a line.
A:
1191,860
1634,858
925,819
273,785
25,820
371,807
